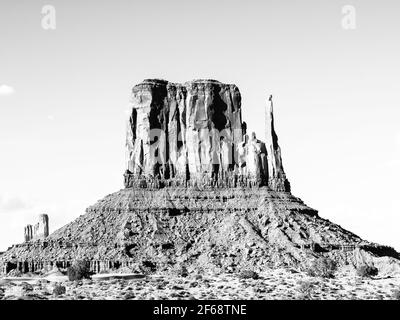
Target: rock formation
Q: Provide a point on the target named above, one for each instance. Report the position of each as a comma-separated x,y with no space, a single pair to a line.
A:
199,192
41,228
28,233
277,177
39,231
192,133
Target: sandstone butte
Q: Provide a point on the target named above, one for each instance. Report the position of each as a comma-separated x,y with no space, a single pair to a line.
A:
200,192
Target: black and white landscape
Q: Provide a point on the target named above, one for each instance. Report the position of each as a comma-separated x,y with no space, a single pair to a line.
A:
186,150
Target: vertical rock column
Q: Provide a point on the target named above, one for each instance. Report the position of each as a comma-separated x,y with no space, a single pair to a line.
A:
28,233
41,229
277,176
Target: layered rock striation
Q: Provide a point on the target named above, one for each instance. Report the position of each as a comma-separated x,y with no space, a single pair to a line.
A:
220,229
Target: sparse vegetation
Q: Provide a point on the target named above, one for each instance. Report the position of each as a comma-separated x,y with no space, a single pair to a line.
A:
365,271
78,271
322,267
248,274
396,294
182,271
26,286
148,267
305,289
59,290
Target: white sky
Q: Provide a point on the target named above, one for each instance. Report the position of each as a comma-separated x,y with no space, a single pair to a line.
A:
64,92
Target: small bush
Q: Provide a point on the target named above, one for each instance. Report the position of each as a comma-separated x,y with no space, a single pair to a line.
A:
305,289
198,277
396,294
26,286
248,274
365,271
78,271
322,267
59,290
148,267
182,271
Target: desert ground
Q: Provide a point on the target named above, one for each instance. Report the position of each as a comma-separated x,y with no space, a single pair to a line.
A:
281,284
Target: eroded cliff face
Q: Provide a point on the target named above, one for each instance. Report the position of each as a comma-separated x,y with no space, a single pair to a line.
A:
192,133
41,228
38,231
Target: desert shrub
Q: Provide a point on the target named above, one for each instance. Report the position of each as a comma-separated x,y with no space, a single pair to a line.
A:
198,276
59,290
182,271
148,267
365,271
78,271
305,289
322,267
396,294
26,286
383,251
248,274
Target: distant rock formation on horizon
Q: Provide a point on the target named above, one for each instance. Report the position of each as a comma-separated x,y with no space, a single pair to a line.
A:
39,231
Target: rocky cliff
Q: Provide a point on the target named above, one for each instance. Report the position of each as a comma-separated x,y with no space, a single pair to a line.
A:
199,192
193,133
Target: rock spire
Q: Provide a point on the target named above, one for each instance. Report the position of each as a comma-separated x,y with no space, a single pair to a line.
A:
277,177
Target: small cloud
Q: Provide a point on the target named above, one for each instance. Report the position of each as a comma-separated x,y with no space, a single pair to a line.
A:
6,90
50,117
12,204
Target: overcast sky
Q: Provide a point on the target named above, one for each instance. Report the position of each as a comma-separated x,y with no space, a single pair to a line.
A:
64,95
